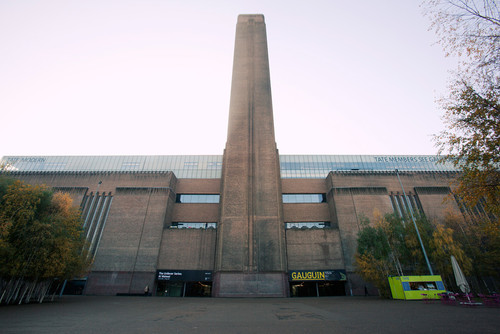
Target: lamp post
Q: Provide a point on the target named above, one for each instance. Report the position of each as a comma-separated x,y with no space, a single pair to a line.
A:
415,224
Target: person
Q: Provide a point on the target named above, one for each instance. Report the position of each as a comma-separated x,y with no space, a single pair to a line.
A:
146,290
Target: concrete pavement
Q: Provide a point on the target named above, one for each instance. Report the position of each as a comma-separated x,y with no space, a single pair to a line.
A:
92,314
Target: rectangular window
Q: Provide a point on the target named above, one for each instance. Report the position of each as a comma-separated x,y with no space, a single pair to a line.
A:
304,198
197,198
191,165
422,285
400,204
192,225
55,166
214,165
306,225
127,165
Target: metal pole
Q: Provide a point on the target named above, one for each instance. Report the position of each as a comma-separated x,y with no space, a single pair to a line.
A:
63,287
415,224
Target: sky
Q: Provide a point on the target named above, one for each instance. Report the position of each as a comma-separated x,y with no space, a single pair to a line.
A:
153,77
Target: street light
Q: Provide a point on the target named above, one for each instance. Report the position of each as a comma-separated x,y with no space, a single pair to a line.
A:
415,224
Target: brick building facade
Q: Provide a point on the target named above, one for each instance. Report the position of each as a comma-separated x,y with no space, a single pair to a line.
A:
247,223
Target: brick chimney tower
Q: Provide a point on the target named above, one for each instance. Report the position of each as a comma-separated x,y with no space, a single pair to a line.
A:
251,252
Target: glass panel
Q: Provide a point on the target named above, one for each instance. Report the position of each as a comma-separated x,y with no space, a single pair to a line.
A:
193,225
304,198
306,225
210,166
197,198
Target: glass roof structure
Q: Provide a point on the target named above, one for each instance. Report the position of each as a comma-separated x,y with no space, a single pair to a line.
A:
210,166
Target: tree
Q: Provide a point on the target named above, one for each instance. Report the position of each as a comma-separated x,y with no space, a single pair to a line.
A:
42,240
390,247
472,142
380,251
470,30
479,239
373,258
443,246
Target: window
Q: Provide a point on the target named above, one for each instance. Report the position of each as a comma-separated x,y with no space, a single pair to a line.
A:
55,166
400,204
191,165
197,198
214,165
306,225
202,226
128,165
304,198
422,286
477,210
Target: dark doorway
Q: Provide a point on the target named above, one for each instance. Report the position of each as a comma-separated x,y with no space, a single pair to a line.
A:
332,288
317,289
303,289
198,289
183,289
169,289
74,287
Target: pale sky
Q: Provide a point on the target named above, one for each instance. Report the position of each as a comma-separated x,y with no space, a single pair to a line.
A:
153,77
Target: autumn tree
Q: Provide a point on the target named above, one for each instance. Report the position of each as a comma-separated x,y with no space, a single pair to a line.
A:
443,245
41,241
472,142
470,31
373,257
390,246
467,29
479,239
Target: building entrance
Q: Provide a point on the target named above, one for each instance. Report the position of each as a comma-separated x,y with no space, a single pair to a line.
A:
184,283
183,289
317,289
317,283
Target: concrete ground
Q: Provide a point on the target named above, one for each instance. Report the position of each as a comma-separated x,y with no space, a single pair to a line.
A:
91,314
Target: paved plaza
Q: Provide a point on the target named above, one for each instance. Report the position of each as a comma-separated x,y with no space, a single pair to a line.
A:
90,314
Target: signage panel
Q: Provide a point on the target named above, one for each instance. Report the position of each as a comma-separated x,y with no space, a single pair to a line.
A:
317,275
184,275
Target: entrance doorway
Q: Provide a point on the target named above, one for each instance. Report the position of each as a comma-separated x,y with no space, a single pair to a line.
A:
317,289
183,289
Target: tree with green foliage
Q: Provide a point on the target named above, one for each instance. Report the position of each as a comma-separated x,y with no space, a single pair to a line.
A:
41,241
373,257
472,142
390,247
480,241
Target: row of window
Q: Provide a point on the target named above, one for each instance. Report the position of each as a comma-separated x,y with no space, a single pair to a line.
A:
295,225
210,166
215,198
404,206
306,225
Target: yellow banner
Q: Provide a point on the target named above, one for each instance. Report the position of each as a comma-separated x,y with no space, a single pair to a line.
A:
308,276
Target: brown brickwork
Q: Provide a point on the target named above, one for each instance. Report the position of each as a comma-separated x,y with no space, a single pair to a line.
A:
306,212
188,249
250,258
314,249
